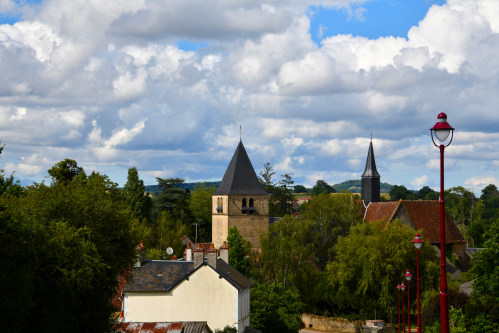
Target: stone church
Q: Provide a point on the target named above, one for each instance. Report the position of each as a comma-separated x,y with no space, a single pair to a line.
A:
240,201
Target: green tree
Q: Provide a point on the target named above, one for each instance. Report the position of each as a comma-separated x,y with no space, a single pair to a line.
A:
423,192
485,265
171,193
370,262
331,217
281,199
200,204
239,249
321,187
134,196
432,196
462,206
227,329
300,189
489,191
63,247
275,308
399,192
65,171
169,233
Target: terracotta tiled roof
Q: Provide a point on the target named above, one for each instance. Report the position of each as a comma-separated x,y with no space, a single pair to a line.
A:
425,214
376,211
186,327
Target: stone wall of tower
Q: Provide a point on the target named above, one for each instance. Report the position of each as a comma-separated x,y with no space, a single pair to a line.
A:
370,189
251,226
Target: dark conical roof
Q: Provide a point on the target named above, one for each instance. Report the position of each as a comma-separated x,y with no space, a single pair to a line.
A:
370,170
240,177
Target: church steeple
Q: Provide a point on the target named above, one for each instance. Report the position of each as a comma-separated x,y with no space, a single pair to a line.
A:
370,179
240,177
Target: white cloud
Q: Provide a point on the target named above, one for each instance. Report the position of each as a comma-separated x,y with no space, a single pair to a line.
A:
419,182
478,183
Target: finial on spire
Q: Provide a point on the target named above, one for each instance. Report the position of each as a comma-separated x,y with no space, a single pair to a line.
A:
241,133
371,136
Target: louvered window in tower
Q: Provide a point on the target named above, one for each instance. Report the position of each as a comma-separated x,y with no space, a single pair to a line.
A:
251,208
245,207
220,205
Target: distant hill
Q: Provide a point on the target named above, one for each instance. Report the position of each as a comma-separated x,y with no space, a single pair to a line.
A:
154,188
354,186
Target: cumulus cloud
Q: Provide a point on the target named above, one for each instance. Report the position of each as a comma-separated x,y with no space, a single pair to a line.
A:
108,84
419,182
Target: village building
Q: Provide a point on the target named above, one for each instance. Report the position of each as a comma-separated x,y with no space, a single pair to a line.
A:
240,201
192,290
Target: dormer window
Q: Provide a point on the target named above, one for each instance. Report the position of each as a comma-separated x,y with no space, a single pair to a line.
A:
251,208
244,207
220,205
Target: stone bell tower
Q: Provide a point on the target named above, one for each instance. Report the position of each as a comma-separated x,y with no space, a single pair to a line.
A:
370,191
240,201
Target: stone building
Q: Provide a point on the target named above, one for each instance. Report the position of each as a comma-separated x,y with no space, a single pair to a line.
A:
240,201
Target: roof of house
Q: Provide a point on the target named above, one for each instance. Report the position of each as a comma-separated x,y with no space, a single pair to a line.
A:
163,327
240,177
163,275
370,170
424,214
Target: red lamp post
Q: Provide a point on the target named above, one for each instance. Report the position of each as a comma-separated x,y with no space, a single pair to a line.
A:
402,287
417,244
408,277
398,292
442,130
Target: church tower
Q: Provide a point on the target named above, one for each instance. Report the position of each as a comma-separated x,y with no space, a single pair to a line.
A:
370,191
240,201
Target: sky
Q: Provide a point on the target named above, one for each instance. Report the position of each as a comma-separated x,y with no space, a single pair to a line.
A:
164,85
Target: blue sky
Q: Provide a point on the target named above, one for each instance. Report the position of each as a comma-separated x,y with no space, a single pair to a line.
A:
165,85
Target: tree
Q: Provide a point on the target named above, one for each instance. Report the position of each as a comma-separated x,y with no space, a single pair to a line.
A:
200,204
169,233
281,199
424,191
485,265
239,250
462,206
65,171
370,262
489,191
399,192
63,247
275,308
171,193
321,187
300,189
134,196
227,329
331,217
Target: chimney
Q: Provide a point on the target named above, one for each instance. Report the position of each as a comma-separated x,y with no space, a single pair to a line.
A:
188,250
224,252
212,256
198,255
141,254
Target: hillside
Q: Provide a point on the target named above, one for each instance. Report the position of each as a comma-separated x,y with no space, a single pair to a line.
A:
354,186
152,189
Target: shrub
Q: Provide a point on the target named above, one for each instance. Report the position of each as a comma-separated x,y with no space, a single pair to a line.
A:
431,314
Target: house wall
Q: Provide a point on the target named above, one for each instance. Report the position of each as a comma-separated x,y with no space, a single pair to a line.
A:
243,309
204,297
460,250
251,226
405,219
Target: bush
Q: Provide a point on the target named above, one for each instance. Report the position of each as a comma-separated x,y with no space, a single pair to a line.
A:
431,314
227,329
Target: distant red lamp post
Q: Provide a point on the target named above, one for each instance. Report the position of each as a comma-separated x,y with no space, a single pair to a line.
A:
398,292
402,287
417,244
408,277
442,129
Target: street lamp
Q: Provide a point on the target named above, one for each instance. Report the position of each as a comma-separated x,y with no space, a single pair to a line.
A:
417,244
398,292
408,277
402,287
442,129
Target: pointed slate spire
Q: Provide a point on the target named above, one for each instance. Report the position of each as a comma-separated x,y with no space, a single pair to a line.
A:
370,191
370,170
240,177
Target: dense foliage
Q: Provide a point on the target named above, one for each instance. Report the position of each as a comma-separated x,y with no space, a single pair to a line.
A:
322,187
275,309
281,196
239,251
63,247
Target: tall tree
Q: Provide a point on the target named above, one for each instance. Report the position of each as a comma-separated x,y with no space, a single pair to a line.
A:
281,198
134,196
462,206
169,233
63,247
370,262
65,171
300,189
321,186
239,249
424,191
200,205
399,192
171,193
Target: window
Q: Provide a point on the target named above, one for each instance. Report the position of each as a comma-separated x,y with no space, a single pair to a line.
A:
220,205
244,207
251,208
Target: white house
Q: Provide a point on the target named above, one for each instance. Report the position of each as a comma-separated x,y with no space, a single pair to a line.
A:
203,289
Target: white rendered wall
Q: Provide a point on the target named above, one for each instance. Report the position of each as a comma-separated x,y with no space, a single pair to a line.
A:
204,297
